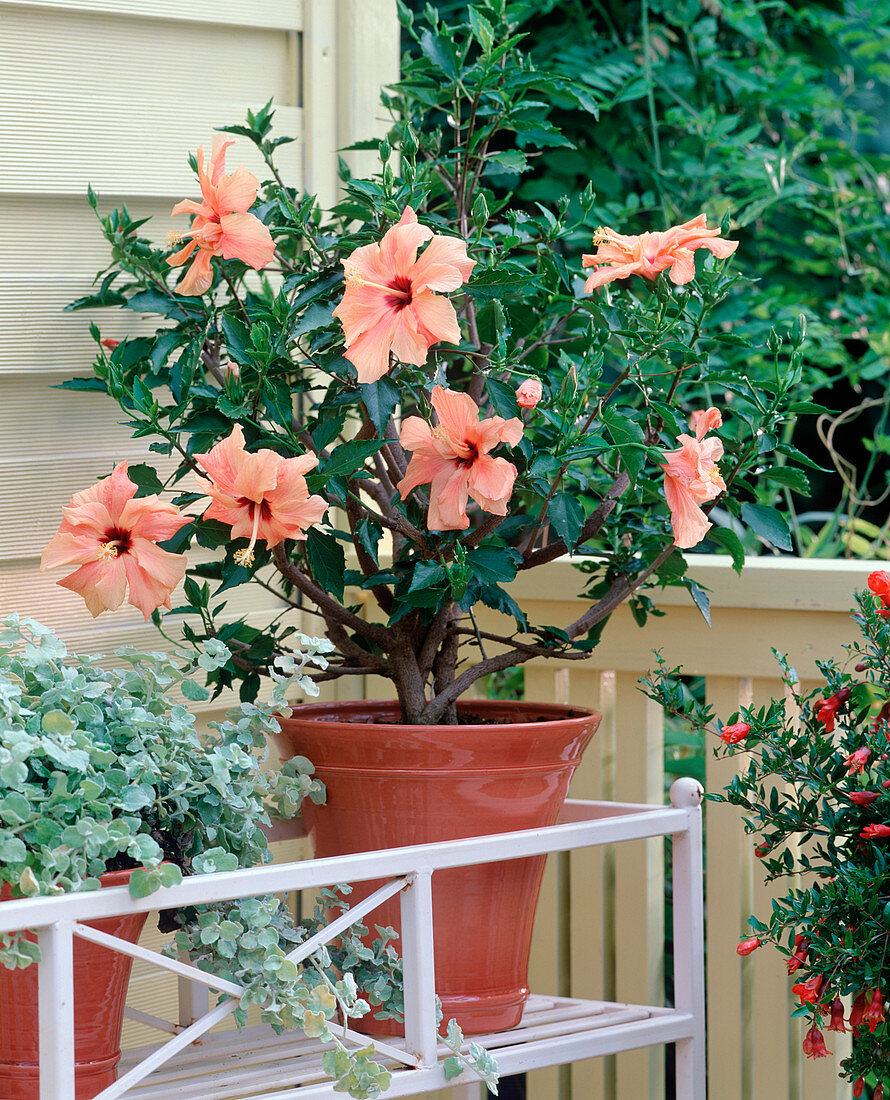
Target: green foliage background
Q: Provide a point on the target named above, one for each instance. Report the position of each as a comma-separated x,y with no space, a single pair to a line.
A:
773,112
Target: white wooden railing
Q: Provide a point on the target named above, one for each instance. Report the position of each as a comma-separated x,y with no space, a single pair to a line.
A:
554,1031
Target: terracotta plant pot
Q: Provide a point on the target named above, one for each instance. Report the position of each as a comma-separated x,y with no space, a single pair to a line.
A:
101,977
506,767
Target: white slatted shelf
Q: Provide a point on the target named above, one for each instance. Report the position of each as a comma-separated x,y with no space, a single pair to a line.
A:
248,1065
258,1065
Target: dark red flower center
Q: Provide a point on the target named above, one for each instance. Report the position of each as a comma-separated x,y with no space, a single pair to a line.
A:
402,293
119,538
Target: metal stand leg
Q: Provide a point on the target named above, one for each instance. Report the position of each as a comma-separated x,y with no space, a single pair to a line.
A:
689,976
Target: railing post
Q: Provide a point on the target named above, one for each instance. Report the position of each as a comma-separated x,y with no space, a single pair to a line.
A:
194,999
689,942
419,967
55,999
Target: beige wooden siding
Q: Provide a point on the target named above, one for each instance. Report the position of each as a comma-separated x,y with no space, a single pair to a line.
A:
115,94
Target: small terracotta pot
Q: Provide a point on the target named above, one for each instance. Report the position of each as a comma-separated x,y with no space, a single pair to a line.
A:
390,785
101,977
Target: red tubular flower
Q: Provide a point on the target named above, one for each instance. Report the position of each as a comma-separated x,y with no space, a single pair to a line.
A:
857,1009
874,1014
809,990
738,731
747,946
801,946
826,712
879,1092
874,832
836,1023
863,798
814,1044
110,343
857,760
762,850
858,1086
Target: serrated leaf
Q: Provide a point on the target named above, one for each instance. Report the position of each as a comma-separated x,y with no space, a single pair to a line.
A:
380,398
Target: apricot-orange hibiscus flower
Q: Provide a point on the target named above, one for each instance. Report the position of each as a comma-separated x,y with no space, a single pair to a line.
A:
111,534
619,257
389,304
453,457
691,478
260,495
222,226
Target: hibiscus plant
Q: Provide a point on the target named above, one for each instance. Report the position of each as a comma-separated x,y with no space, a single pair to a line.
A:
419,396
816,793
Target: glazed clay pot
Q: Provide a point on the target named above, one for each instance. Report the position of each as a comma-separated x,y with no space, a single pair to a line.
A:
101,977
507,766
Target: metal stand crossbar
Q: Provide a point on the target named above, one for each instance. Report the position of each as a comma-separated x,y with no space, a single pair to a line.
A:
258,1065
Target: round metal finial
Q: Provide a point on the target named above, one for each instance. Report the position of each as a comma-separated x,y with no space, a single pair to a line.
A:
686,792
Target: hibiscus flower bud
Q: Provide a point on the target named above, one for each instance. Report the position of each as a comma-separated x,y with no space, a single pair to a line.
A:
837,1016
233,372
814,1044
858,1086
529,393
879,1092
801,946
747,946
110,343
738,731
874,832
762,850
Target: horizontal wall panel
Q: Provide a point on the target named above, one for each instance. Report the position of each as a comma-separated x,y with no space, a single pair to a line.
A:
134,148
124,109
281,14
36,335
44,238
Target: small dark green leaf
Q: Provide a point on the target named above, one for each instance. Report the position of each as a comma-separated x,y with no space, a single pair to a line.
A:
380,398
567,516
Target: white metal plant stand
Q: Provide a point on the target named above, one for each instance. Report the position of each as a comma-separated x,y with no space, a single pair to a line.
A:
255,1064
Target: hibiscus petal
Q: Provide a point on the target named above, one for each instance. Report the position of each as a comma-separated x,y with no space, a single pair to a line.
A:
408,345
66,548
224,460
443,265
399,245
423,469
436,318
102,584
245,238
370,352
416,435
257,474
153,573
491,483
199,276
448,499
150,518
458,413
237,193
688,522
683,268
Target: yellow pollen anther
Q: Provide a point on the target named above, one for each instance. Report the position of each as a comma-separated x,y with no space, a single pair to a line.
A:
106,552
354,278
601,235
244,557
175,236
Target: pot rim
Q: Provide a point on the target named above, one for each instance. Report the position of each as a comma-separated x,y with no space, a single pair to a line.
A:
549,715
